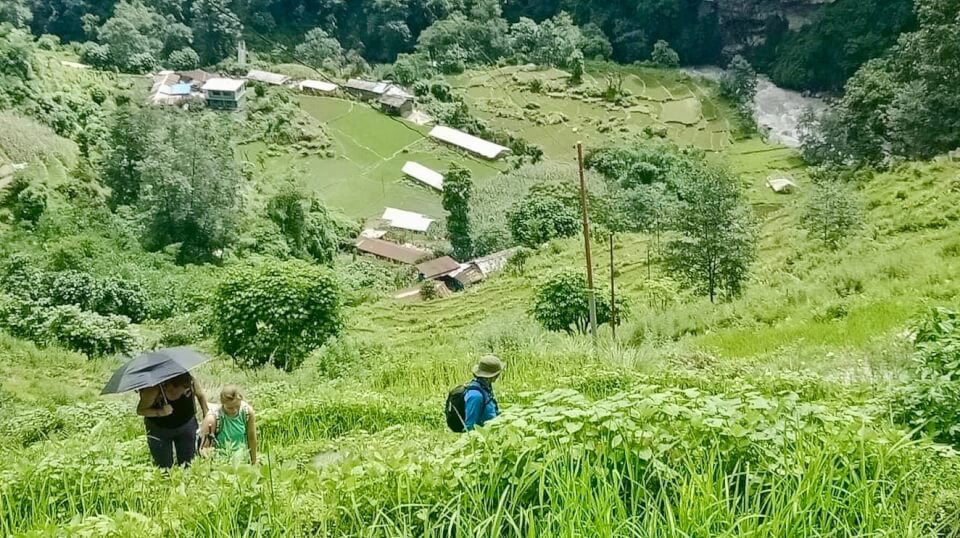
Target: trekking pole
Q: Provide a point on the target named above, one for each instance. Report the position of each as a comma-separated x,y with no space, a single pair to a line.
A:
591,294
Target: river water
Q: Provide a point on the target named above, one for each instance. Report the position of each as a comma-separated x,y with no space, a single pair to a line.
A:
777,111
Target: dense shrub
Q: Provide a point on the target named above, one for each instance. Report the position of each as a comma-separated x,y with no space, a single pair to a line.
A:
561,304
103,296
86,332
537,219
931,401
276,314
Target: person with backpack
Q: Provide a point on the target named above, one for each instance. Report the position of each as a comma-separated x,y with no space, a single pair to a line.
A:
473,404
230,429
170,415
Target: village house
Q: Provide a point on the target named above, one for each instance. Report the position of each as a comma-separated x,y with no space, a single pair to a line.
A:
366,90
466,141
396,104
274,79
317,87
224,93
390,251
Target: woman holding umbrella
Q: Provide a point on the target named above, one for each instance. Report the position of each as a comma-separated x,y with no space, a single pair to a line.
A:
168,398
170,413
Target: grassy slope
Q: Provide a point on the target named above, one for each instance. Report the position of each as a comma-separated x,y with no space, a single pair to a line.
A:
397,359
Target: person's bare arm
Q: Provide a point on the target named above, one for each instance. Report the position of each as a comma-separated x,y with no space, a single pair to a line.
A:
201,398
148,398
206,429
252,439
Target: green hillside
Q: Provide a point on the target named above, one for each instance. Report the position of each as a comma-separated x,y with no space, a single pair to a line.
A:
776,365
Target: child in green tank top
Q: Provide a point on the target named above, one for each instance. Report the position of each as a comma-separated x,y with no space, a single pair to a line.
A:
231,428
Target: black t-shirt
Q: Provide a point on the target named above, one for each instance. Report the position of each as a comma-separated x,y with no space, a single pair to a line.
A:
184,409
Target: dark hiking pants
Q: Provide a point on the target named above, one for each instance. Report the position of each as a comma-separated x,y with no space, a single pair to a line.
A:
164,441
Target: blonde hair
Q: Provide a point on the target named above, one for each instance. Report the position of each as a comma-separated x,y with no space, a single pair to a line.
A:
230,393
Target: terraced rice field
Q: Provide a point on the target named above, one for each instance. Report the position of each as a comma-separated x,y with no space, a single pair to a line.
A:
558,115
370,148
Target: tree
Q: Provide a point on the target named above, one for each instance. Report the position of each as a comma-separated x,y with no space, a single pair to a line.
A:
739,82
832,213
16,12
322,51
216,30
276,313
190,188
595,44
457,191
126,148
559,37
304,222
133,37
716,240
184,59
16,65
562,304
663,55
536,219
576,67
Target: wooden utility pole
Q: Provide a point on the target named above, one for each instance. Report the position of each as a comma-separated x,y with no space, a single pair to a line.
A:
613,295
591,293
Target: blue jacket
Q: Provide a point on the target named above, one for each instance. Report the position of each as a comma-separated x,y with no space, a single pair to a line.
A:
480,405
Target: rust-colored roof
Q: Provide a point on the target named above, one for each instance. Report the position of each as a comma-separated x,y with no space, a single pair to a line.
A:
390,251
438,267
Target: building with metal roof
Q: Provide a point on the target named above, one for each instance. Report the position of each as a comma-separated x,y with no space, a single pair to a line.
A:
391,251
469,142
438,268
424,175
406,220
267,77
223,84
396,104
317,86
197,77
181,88
224,93
366,89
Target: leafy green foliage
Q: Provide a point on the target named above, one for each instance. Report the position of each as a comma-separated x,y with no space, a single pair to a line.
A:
322,51
276,314
548,211
457,191
69,326
190,187
561,304
184,59
844,35
663,55
739,83
129,139
717,241
216,30
902,104
26,198
931,400
833,212
304,222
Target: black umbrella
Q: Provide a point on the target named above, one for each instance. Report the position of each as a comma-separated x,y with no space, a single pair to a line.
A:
153,368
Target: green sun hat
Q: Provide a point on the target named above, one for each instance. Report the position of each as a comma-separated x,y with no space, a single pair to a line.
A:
488,366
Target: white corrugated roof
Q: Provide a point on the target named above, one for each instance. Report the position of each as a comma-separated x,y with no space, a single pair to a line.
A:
423,174
318,85
408,220
222,85
468,142
266,76
371,233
